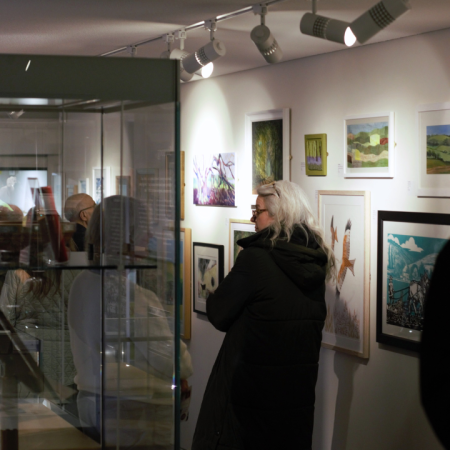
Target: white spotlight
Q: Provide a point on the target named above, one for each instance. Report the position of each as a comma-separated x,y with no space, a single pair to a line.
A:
203,56
207,70
267,44
378,17
326,28
176,53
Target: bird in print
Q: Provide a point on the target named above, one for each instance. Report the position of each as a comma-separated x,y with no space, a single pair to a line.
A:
333,234
346,262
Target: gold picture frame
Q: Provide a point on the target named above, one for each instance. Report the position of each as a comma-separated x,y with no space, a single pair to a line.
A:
316,154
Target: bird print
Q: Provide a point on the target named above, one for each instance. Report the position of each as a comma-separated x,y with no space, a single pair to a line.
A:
333,234
346,262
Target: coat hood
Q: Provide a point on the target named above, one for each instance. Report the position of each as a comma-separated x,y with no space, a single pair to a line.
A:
301,259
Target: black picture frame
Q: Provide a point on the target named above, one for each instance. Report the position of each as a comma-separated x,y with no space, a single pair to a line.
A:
404,272
206,274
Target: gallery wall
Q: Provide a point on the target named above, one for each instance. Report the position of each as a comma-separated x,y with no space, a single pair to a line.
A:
372,403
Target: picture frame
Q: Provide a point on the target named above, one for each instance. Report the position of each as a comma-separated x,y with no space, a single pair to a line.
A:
170,184
123,185
83,186
146,190
208,272
345,217
101,180
239,228
316,154
182,184
273,124
185,273
433,150
408,244
369,143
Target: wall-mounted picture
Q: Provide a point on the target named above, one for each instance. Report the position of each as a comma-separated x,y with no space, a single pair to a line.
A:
147,190
123,185
83,186
239,229
101,181
268,143
345,217
369,146
408,245
316,154
434,150
208,265
214,179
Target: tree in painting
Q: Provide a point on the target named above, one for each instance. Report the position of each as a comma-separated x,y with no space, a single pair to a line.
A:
267,152
314,154
438,149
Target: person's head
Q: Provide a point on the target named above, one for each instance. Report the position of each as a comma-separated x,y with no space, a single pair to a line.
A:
79,208
11,181
288,207
10,213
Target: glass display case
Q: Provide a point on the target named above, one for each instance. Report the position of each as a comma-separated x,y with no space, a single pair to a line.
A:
90,355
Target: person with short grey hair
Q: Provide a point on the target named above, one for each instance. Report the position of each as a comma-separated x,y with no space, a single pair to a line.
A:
78,209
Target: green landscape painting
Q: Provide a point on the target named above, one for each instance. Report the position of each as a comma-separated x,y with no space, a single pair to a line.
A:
368,145
267,152
438,149
239,234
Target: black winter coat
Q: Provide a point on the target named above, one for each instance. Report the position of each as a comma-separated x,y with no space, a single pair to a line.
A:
261,391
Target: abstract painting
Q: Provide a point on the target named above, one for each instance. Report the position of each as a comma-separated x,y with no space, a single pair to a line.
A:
369,144
408,245
344,215
214,179
267,137
316,154
208,265
239,229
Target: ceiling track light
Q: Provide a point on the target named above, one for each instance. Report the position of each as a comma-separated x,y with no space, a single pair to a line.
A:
378,17
177,53
263,38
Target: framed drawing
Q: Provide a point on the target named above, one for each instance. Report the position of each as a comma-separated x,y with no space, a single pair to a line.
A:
239,229
83,186
268,143
345,217
408,245
185,274
214,179
123,185
369,146
146,189
433,125
101,181
208,264
316,154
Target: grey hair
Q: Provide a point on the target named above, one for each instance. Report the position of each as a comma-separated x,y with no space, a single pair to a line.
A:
288,205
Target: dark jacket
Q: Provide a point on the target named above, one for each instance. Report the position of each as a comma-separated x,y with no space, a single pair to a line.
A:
260,394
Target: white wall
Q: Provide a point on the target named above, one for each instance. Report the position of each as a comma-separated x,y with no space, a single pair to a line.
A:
370,404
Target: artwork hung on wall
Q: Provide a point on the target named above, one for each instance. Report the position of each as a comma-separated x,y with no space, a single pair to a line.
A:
101,180
208,264
408,245
369,146
123,185
83,186
147,191
345,217
268,143
214,179
239,229
185,272
433,124
316,154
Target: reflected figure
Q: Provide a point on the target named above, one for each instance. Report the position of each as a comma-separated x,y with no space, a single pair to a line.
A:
138,345
7,192
78,209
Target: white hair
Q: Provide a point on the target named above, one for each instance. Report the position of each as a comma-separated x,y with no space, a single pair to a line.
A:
288,205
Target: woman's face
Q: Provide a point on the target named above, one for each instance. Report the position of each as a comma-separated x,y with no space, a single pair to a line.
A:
262,220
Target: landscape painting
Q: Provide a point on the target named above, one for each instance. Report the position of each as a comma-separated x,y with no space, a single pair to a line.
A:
438,149
316,154
239,229
214,179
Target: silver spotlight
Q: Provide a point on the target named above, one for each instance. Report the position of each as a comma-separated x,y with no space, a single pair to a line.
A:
181,54
203,56
378,17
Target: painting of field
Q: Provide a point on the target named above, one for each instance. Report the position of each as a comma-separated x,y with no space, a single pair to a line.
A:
314,154
238,234
368,144
438,149
267,152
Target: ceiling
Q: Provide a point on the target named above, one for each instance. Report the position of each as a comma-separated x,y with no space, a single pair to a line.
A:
93,27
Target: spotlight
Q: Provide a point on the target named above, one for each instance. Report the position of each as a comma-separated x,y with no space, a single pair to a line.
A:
176,53
326,28
378,17
207,70
263,39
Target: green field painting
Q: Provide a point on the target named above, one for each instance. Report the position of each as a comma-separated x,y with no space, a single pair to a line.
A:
438,149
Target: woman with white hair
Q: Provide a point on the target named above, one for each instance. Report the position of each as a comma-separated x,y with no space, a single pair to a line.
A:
261,392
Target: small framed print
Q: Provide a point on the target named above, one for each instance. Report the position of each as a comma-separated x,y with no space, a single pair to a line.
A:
101,187
239,229
369,146
123,185
268,143
83,186
316,154
208,262
408,245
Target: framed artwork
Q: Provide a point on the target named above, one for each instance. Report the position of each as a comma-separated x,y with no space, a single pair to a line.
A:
185,273
83,186
101,181
369,146
147,190
408,245
208,272
239,229
345,217
123,185
316,154
268,143
433,125
214,179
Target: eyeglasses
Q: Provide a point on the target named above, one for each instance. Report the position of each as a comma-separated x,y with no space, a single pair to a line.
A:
256,212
